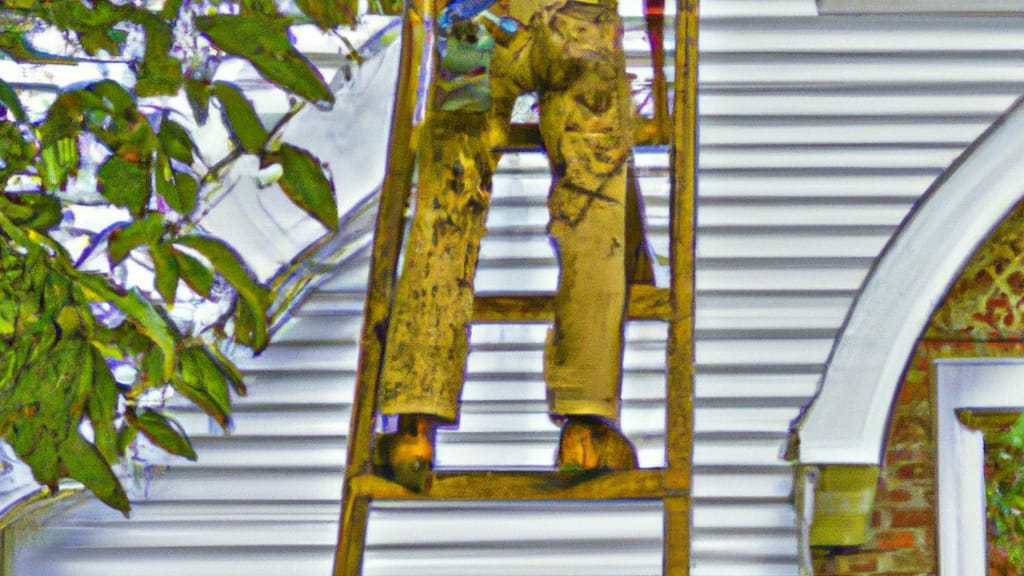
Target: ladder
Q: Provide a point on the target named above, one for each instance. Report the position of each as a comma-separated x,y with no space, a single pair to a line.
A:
669,484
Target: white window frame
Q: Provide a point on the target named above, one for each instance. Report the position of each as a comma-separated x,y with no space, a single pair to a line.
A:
978,384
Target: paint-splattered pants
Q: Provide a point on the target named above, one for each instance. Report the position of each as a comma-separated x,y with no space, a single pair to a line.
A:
571,55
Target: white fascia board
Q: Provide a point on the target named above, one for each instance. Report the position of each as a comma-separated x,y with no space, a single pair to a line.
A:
847,422
950,7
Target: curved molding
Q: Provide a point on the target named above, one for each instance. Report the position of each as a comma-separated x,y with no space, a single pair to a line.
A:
846,423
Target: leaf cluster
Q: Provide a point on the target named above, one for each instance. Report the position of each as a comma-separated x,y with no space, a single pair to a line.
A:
1004,491
62,330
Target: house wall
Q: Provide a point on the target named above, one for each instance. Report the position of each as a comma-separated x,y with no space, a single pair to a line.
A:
981,317
817,136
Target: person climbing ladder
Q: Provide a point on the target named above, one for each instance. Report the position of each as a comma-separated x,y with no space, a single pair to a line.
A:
570,53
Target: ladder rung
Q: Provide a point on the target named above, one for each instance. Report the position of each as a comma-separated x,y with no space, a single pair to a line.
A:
645,303
642,484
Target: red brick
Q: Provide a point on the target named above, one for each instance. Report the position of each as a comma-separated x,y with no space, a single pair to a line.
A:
915,387
899,495
913,518
914,471
877,518
897,456
895,540
911,430
929,540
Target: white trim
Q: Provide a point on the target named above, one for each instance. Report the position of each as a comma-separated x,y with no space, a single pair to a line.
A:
979,384
957,7
847,422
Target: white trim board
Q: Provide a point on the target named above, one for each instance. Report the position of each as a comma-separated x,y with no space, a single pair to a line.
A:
951,7
847,421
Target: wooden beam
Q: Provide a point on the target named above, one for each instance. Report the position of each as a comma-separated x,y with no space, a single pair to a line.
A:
387,244
682,227
645,484
645,303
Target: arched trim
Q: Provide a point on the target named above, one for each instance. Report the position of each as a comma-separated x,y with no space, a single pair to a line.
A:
846,423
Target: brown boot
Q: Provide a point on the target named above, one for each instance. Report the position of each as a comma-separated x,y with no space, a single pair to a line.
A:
407,456
592,443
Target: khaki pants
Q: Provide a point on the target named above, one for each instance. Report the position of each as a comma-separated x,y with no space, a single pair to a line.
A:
571,55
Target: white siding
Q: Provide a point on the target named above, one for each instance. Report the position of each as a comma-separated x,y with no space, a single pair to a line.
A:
818,134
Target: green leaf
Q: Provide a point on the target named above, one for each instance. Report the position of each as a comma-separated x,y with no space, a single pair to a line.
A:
166,267
176,141
8,320
267,7
9,98
202,382
250,326
159,73
36,211
198,277
85,464
154,367
125,184
170,9
163,179
125,437
255,297
307,186
264,41
118,97
188,193
64,117
119,36
95,40
231,371
329,13
14,45
179,189
141,231
58,136
42,415
198,95
229,264
164,431
57,161
102,407
150,322
241,117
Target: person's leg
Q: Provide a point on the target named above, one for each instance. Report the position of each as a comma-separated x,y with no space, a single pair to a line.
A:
427,340
585,123
427,336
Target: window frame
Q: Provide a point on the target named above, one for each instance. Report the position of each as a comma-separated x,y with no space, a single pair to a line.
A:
985,384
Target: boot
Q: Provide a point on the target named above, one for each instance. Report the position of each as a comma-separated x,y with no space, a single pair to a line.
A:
406,457
592,443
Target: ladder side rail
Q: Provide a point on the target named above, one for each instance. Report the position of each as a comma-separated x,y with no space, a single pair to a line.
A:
387,246
679,404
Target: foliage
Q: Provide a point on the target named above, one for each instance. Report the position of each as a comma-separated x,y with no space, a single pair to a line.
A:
65,332
1004,491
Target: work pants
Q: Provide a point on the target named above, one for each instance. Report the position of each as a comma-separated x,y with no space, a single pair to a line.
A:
570,53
